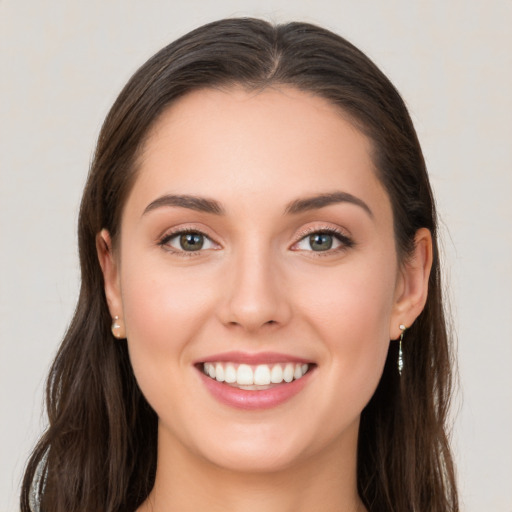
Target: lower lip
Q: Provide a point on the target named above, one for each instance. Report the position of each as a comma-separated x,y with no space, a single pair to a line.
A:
252,399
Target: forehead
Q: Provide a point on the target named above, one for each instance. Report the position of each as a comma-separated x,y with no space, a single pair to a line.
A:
274,144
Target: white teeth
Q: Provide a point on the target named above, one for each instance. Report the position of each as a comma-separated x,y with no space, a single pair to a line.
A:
230,374
219,372
288,372
276,376
244,375
260,375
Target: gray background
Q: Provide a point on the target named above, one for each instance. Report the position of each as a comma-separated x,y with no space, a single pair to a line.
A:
63,62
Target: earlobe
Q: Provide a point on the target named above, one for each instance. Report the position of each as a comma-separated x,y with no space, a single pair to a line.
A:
109,267
412,288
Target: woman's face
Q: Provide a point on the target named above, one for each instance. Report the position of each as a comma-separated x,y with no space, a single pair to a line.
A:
257,243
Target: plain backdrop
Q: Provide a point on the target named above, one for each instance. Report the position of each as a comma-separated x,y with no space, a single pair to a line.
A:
62,64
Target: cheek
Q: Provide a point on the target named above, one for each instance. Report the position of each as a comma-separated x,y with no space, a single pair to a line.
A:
163,311
349,300
351,312
160,303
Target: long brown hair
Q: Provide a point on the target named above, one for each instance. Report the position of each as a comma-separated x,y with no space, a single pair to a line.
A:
99,451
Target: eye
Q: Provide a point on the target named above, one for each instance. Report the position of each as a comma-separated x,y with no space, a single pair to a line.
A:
187,241
323,241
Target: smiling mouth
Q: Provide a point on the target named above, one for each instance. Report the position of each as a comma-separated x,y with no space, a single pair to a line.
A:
254,377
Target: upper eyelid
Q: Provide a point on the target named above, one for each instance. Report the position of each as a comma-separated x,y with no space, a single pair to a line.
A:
300,234
178,230
322,229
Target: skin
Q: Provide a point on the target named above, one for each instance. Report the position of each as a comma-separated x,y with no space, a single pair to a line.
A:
258,286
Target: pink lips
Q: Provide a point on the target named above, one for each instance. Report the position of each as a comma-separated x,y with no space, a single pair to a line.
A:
254,399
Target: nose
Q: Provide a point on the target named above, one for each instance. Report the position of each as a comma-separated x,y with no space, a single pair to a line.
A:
255,292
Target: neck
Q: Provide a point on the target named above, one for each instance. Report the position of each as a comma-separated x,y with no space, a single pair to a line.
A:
187,483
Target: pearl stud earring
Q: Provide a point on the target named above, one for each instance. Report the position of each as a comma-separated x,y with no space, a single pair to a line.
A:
116,327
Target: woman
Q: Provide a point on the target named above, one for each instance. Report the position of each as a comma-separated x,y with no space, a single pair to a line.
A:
257,226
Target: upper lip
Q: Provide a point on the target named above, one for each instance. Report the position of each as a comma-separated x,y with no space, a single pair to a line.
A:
253,358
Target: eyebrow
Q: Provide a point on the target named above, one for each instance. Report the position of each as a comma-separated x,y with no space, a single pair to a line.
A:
322,200
200,204
206,205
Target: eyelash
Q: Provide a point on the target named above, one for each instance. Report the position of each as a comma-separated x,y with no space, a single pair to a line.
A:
345,241
186,254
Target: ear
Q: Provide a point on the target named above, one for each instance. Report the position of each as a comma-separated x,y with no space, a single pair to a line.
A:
412,284
110,268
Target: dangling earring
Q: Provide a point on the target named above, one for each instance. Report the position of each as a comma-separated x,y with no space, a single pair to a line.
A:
400,353
116,328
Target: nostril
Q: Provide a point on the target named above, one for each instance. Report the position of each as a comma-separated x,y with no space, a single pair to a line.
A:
241,324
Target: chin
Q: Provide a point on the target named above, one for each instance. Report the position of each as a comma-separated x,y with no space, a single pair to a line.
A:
254,458
269,448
